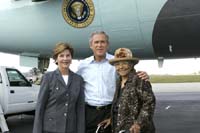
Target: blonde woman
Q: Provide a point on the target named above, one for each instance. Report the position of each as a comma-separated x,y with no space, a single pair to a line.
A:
61,107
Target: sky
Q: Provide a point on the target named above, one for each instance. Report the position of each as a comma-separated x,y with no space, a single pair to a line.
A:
171,67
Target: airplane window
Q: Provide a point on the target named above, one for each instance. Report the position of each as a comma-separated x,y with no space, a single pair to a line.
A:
16,78
0,79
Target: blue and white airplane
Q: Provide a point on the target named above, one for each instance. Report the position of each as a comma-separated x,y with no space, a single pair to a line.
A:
152,29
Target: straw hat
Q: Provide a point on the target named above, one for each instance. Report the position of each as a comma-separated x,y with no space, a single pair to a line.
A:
123,54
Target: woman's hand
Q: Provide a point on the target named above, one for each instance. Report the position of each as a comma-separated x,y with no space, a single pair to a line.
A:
105,123
135,128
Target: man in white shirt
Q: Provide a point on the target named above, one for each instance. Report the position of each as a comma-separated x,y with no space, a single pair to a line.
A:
99,77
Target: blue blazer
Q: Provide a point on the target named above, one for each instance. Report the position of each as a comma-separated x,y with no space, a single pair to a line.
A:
60,107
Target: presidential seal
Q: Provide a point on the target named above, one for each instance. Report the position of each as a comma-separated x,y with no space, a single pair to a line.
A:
78,13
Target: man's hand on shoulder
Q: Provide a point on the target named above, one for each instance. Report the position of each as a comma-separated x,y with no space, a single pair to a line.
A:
143,75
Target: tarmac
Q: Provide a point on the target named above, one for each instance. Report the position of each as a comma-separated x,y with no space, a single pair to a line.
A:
177,110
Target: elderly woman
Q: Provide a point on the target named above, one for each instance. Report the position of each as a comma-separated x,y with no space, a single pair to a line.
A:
61,107
134,102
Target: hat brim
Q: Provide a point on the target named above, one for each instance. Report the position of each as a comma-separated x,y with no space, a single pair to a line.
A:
133,60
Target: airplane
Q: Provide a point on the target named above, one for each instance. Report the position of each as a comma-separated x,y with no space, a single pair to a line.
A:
157,29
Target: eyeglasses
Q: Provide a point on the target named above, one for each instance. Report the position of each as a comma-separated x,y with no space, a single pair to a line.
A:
121,63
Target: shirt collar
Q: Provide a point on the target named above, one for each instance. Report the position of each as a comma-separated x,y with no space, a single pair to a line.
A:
108,57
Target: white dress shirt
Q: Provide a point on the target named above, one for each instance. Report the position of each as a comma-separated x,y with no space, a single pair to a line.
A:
100,80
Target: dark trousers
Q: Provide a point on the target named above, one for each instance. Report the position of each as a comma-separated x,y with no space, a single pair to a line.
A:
96,115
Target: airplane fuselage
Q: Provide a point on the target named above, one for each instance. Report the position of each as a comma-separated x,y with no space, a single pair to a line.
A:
151,29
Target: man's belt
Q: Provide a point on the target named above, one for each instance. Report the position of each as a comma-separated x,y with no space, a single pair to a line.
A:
99,107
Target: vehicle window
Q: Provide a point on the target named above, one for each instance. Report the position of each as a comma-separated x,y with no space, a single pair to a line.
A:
0,79
16,78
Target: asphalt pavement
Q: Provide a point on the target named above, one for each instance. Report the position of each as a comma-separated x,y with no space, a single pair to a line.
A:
176,112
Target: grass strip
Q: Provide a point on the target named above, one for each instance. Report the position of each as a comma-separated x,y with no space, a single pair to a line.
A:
174,78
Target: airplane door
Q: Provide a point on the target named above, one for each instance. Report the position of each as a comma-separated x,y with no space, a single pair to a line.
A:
21,96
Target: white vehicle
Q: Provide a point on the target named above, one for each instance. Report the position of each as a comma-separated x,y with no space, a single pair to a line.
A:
17,94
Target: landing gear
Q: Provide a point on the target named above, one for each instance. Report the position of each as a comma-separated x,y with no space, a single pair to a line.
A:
43,64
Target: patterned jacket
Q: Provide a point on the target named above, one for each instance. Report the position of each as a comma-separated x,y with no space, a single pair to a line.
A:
136,105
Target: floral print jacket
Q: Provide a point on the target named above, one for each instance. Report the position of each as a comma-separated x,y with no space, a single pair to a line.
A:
136,104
